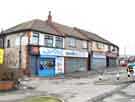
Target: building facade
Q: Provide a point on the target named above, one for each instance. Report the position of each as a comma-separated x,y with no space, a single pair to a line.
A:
102,53
47,48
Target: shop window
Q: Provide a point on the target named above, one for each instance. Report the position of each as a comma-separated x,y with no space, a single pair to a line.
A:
59,42
48,63
35,38
49,40
72,42
8,43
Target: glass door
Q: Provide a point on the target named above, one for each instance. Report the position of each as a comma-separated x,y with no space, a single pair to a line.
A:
47,67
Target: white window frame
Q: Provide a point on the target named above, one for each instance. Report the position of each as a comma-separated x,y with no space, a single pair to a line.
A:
35,38
45,38
60,41
84,45
72,42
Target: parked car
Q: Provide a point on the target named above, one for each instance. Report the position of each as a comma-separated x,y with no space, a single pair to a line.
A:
123,63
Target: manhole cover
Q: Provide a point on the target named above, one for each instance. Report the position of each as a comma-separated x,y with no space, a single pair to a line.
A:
43,99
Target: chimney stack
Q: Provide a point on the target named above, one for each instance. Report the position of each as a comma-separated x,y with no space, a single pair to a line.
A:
49,17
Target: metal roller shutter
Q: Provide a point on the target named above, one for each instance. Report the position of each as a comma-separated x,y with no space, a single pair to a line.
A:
75,64
98,63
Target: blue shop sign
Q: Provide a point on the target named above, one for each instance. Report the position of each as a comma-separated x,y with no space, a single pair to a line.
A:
52,52
62,52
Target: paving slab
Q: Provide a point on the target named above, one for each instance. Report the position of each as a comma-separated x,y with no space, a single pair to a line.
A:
116,98
71,89
130,90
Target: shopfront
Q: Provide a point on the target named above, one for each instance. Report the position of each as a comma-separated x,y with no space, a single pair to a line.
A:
111,58
75,61
51,62
98,60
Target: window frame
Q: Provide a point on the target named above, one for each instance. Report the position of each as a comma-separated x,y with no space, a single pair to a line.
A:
59,41
1,43
86,44
8,43
99,45
72,42
47,38
35,35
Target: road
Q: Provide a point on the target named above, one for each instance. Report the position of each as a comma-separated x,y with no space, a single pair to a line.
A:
77,87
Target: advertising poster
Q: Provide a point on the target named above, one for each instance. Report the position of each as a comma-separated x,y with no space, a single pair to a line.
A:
59,69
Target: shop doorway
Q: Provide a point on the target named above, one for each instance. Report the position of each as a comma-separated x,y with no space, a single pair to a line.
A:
34,64
47,67
89,62
107,61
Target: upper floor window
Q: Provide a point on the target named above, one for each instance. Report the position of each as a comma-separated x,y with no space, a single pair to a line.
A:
58,42
8,43
72,42
100,45
116,49
49,40
1,43
112,48
84,44
35,38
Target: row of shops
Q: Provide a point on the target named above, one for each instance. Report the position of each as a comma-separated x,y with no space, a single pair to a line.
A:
104,60
51,61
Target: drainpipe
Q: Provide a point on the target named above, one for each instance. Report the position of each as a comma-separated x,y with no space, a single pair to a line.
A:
20,50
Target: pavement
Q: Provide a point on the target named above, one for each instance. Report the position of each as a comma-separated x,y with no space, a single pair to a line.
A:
124,94
77,87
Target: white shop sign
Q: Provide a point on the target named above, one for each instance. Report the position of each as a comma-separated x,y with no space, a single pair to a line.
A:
62,52
74,53
99,55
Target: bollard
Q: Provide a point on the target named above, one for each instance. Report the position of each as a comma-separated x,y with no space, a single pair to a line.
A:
128,75
100,77
118,76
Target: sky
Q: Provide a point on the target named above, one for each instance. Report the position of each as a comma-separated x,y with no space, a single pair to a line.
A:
112,19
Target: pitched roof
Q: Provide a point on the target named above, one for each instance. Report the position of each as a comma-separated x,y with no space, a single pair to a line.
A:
69,31
45,27
56,29
93,36
36,24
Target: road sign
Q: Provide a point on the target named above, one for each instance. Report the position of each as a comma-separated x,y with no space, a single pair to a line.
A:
1,56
